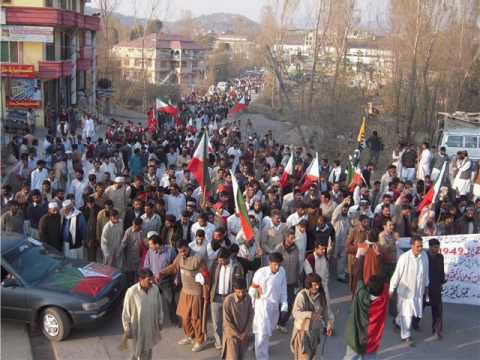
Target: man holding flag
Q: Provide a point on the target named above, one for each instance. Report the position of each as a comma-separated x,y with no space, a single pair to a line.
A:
199,165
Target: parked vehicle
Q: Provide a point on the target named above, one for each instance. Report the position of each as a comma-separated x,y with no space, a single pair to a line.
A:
41,286
459,131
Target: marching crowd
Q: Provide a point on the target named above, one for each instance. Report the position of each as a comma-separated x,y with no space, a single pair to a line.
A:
130,201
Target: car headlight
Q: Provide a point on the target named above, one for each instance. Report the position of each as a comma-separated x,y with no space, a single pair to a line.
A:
95,305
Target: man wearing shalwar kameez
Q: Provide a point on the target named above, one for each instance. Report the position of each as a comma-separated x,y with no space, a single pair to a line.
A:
111,241
142,316
424,162
194,293
269,294
410,279
237,322
311,314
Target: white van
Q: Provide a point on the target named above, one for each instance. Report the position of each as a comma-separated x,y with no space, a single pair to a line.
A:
459,132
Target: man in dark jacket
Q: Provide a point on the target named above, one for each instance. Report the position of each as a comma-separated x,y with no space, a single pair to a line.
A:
133,212
375,145
35,210
50,227
90,212
223,273
467,223
171,232
437,279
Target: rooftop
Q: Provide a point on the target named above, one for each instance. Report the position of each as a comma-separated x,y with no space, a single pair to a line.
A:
162,41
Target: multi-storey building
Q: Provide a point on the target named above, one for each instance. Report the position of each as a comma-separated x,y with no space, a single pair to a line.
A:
47,56
167,59
236,44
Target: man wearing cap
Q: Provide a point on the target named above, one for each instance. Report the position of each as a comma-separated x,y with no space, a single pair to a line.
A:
39,175
111,241
74,230
269,296
50,227
119,193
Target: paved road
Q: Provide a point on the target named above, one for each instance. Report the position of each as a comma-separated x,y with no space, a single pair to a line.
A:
461,340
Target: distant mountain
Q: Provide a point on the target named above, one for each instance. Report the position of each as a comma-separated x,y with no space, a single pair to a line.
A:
217,22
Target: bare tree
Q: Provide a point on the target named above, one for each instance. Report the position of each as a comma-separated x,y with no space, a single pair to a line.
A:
107,8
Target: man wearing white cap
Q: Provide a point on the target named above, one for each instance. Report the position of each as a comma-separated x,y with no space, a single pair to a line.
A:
50,227
119,193
74,229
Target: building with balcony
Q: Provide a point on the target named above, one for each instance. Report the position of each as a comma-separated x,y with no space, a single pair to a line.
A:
164,58
48,57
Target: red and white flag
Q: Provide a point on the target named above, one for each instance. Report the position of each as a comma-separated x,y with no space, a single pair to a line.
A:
432,194
357,180
238,107
287,173
199,164
312,174
166,108
241,209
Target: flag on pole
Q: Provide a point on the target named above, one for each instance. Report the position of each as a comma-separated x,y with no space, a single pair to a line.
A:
241,209
362,133
238,107
199,165
312,174
166,108
356,180
432,194
287,172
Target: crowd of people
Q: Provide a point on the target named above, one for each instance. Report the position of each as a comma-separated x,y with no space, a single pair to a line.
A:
128,200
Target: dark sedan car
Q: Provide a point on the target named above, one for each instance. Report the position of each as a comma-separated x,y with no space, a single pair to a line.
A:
41,286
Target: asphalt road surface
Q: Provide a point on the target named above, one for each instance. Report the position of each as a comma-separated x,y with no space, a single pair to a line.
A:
461,338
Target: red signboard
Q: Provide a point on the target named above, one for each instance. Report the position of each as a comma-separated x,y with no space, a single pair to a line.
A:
17,71
24,104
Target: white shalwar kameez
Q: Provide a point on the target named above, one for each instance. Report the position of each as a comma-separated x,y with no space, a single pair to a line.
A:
410,278
268,292
424,164
462,186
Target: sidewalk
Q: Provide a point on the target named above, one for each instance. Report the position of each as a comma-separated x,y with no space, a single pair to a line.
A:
15,341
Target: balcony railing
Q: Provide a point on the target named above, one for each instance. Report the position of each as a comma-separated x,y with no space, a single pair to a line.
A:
24,15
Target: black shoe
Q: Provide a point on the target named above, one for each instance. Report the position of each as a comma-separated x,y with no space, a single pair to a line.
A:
342,280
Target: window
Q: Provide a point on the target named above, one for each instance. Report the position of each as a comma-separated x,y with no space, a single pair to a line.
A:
455,141
471,142
48,3
10,52
50,51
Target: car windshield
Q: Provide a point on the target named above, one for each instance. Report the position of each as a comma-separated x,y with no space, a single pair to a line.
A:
33,263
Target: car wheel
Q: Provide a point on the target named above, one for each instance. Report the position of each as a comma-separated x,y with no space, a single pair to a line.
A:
55,324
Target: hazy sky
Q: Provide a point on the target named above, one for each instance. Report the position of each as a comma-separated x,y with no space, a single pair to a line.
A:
171,9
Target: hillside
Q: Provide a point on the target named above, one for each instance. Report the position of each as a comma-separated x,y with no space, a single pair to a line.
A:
217,22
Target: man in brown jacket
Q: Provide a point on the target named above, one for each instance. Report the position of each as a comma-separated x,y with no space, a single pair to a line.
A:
237,322
357,236
193,296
